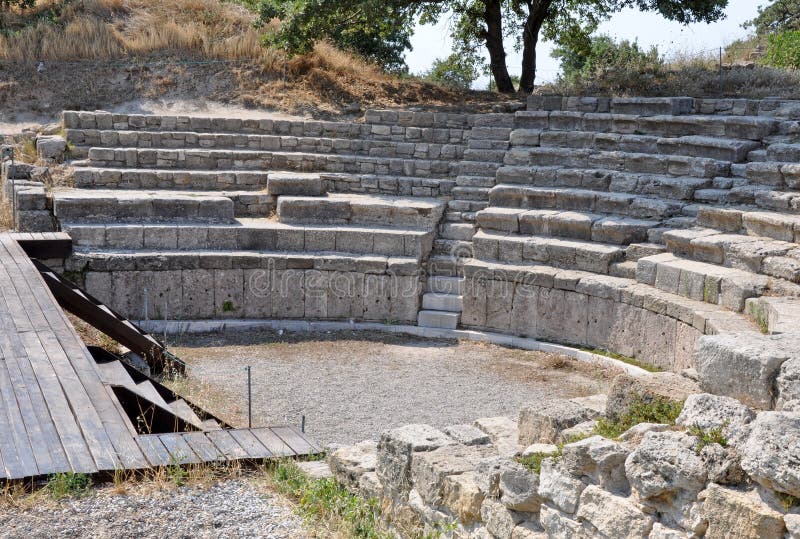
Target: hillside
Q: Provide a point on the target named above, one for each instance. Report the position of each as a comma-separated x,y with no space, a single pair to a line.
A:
102,53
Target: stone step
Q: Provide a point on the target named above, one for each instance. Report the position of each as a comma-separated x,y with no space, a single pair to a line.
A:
660,185
755,254
705,317
477,168
492,133
452,248
269,160
361,210
728,287
779,226
475,181
789,153
457,231
444,266
625,270
196,180
774,315
74,205
621,204
438,319
493,156
419,127
561,253
487,144
719,148
433,301
252,235
86,139
440,284
568,224
736,127
674,165
782,201
773,174
635,251
478,194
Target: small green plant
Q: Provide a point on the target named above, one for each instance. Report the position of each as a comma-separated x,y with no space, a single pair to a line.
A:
533,462
176,473
654,410
708,437
228,307
62,485
787,500
327,501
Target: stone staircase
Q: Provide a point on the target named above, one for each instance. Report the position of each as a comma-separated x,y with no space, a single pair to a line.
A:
634,225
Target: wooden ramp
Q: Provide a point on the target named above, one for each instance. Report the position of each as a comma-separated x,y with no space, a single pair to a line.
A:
57,414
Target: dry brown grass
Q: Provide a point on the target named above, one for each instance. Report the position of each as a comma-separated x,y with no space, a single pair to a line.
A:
94,337
108,29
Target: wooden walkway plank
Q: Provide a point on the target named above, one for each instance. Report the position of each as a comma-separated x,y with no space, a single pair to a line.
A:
296,440
179,450
273,442
203,447
226,444
72,439
254,448
24,425
152,448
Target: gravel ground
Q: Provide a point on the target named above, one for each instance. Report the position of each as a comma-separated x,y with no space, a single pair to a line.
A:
232,508
353,385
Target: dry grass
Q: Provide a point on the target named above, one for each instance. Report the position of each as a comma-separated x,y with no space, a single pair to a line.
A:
107,29
94,337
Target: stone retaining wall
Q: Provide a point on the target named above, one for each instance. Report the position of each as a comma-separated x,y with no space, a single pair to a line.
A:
725,470
27,197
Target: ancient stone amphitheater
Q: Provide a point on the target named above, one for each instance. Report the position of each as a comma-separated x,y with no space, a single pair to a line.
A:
662,229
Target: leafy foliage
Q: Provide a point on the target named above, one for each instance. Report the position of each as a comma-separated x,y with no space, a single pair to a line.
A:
379,30
655,410
780,16
608,60
456,71
62,485
708,437
783,50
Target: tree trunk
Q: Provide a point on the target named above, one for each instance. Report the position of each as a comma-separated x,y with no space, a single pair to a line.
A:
494,43
537,12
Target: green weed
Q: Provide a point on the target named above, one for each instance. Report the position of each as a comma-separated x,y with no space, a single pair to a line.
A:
327,501
708,437
533,462
619,357
657,410
176,473
63,485
228,307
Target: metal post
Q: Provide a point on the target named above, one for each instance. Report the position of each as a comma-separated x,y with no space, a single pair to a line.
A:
146,313
166,321
249,397
303,424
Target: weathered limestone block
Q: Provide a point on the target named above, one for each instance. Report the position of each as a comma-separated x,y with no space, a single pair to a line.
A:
744,365
708,412
467,434
542,423
581,430
429,469
600,459
349,464
396,450
503,432
558,525
788,382
792,522
666,473
627,389
723,464
528,530
660,531
499,520
50,147
613,516
771,454
559,487
741,514
462,496
519,488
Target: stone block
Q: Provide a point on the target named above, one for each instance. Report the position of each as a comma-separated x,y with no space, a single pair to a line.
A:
396,450
50,147
744,365
543,422
769,456
467,434
627,389
613,516
462,496
558,525
559,487
600,459
229,293
727,510
430,468
707,412
499,520
503,432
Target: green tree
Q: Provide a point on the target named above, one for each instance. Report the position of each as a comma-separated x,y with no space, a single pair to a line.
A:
379,30
603,57
457,70
780,16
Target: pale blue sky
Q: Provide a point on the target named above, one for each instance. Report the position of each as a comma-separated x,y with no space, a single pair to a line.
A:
432,41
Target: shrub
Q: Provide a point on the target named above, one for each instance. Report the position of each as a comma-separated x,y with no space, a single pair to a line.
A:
609,63
656,410
456,71
783,50
708,437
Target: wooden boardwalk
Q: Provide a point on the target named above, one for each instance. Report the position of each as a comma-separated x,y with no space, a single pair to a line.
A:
57,414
